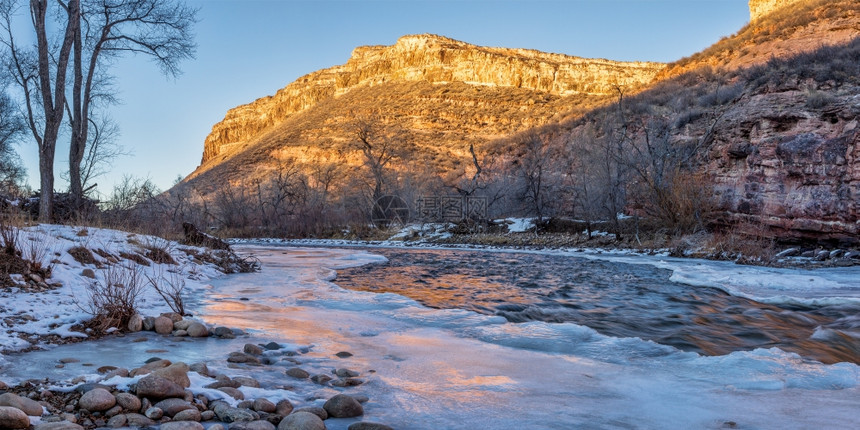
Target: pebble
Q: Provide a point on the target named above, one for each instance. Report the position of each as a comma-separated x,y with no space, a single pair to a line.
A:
207,416
200,368
232,392
344,354
117,421
343,406
320,379
224,333
172,407
347,382
271,346
301,421
176,372
138,420
247,382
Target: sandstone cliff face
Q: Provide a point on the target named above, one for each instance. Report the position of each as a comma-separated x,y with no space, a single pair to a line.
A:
782,166
760,8
435,60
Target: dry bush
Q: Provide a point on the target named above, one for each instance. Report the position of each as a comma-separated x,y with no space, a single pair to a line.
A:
82,255
137,258
158,250
112,299
170,287
741,244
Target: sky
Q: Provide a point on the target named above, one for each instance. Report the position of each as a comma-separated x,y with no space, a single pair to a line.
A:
247,49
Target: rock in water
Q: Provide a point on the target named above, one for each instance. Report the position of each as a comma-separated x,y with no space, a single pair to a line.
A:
13,418
135,323
197,330
284,407
138,420
343,406
263,405
163,325
252,349
296,372
157,387
97,400
28,406
301,421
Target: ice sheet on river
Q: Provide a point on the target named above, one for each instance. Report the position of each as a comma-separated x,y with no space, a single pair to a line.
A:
461,370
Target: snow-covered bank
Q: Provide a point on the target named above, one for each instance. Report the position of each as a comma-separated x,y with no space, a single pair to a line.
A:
32,315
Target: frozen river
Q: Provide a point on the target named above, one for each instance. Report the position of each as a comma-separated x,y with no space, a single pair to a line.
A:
456,366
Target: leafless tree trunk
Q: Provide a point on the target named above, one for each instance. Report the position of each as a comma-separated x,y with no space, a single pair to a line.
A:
40,72
107,29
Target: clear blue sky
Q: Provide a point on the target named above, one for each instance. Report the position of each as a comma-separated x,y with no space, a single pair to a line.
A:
250,49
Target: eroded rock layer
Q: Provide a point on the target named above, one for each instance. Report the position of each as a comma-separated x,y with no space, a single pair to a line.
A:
435,60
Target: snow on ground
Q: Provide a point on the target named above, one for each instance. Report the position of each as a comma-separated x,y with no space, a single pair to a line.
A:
57,310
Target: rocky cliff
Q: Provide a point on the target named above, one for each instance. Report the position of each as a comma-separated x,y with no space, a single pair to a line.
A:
434,60
760,8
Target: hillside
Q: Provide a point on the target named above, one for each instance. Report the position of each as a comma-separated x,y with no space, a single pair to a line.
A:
438,95
755,135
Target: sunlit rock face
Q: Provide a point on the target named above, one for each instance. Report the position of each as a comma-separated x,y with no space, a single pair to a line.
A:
760,8
435,60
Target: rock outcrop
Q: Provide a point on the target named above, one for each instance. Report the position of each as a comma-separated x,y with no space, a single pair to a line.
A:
760,8
434,60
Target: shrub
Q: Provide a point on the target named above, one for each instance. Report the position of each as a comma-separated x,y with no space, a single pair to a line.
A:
170,288
112,299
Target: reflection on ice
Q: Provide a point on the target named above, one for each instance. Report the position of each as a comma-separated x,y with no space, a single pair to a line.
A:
427,368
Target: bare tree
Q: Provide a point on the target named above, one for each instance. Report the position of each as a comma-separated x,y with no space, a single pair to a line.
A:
40,73
160,29
533,167
377,150
11,127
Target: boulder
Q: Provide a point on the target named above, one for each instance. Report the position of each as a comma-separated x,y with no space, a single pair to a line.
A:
182,425
59,425
176,372
172,407
200,368
232,392
263,405
28,406
158,388
247,382
135,323
128,401
197,329
299,373
182,325
301,421
316,410
188,415
241,357
97,400
163,325
13,418
284,407
253,425
252,349
138,420
149,323
343,406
